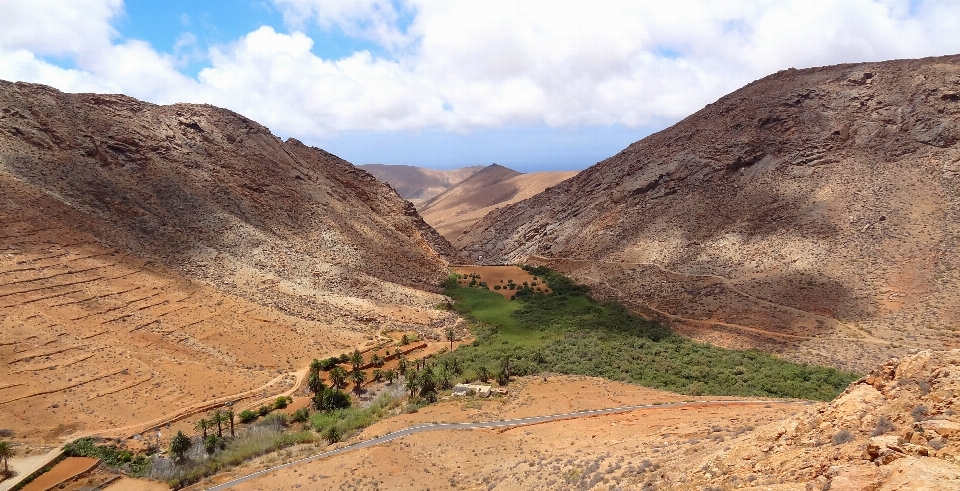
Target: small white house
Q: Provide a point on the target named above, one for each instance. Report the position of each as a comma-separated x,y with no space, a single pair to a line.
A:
471,390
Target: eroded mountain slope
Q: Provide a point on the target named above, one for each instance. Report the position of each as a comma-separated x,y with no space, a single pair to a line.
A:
156,257
456,210
419,184
214,194
812,213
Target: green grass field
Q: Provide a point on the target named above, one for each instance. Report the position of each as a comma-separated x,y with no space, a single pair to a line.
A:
568,332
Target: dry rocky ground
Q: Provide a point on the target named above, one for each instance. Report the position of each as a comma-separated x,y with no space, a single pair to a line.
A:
896,429
158,260
814,213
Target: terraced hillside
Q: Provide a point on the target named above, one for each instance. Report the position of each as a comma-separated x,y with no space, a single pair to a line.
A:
157,258
93,338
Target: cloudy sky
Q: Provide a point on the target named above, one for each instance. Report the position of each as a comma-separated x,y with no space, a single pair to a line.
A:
534,85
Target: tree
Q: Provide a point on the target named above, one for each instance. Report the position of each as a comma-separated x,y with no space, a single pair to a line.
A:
358,378
376,360
211,443
6,451
404,340
338,376
402,365
451,336
179,445
218,419
413,383
390,375
230,415
202,425
356,359
428,382
315,367
315,383
483,374
377,374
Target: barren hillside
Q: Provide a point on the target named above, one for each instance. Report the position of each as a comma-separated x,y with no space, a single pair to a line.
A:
812,213
896,429
456,210
419,184
154,257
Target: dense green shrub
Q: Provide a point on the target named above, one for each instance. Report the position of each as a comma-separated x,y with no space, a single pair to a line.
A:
566,331
247,416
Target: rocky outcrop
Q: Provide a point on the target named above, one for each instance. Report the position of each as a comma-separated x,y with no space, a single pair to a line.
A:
216,196
809,205
895,429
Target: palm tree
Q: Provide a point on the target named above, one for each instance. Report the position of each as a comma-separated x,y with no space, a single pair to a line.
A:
390,374
451,336
315,383
218,419
413,383
229,414
338,376
315,367
358,378
356,359
179,445
402,365
377,374
202,425
6,451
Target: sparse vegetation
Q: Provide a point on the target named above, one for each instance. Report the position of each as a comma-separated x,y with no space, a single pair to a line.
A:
566,331
884,425
843,436
114,457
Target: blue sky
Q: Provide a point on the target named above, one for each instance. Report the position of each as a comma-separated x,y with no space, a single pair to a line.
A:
534,85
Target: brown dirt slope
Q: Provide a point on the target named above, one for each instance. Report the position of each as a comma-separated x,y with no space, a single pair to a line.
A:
215,195
456,210
419,184
820,203
153,258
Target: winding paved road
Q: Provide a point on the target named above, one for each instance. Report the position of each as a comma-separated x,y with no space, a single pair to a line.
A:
490,424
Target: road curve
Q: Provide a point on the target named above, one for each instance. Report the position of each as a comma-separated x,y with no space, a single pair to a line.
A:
490,424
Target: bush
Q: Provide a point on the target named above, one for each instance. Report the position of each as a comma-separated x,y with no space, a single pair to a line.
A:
329,363
301,415
280,403
247,416
919,413
842,436
884,425
263,410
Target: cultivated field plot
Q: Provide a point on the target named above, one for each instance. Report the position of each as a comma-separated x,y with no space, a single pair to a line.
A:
500,275
92,339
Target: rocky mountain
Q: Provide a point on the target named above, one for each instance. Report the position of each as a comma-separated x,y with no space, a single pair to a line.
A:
216,195
419,184
813,213
457,209
156,259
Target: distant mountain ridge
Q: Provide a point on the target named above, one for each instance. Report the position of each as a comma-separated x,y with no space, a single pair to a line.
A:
419,184
457,209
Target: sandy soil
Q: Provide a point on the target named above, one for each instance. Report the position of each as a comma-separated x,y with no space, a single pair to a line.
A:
499,275
64,471
554,455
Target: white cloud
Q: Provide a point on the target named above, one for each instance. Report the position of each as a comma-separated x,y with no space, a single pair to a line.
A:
478,63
